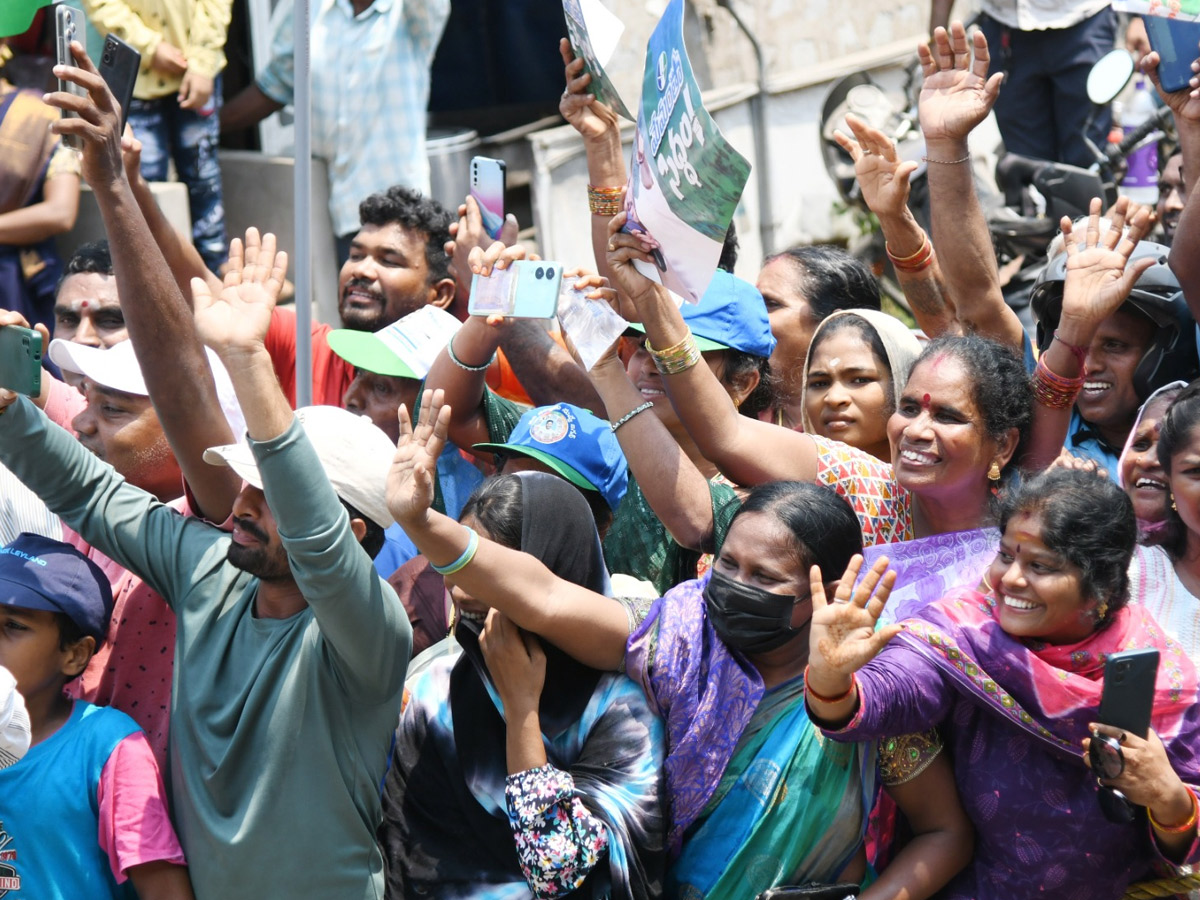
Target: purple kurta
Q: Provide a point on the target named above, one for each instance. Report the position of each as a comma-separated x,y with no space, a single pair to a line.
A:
1039,829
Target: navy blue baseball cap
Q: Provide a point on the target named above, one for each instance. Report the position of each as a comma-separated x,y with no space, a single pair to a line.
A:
39,573
574,443
731,315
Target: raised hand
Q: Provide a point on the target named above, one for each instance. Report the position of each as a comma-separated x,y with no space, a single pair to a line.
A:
12,317
411,479
957,94
515,661
591,118
1184,103
99,120
1099,273
882,177
236,321
843,638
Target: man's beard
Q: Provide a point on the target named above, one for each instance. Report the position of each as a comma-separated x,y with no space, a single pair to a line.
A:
364,319
260,563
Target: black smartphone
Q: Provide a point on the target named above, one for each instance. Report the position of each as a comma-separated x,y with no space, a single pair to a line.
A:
21,360
65,32
119,64
1127,699
1178,46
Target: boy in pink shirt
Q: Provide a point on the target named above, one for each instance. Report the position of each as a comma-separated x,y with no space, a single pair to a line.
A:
84,811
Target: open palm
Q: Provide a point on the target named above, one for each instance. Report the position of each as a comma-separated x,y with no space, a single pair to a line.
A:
239,316
1099,275
843,637
410,481
957,93
882,177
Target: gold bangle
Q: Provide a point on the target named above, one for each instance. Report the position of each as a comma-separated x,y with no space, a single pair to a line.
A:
1186,825
606,201
676,359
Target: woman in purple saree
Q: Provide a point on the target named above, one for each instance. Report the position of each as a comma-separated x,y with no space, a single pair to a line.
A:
1013,678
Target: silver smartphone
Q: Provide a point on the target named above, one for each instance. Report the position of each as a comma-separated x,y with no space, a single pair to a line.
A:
64,33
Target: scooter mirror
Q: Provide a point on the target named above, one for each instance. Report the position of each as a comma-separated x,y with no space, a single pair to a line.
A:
1109,76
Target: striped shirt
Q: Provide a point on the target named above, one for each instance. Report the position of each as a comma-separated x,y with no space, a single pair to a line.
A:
370,90
21,510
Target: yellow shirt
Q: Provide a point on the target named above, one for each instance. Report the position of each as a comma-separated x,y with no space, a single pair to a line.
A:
197,27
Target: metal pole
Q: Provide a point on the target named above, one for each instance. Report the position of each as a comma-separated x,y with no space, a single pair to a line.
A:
758,113
302,189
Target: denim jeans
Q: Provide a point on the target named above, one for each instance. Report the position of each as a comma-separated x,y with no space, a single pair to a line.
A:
189,137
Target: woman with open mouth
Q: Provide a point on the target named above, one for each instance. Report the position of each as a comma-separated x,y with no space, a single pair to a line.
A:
1165,576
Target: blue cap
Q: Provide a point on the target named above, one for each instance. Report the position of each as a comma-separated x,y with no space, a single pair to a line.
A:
731,315
574,443
39,573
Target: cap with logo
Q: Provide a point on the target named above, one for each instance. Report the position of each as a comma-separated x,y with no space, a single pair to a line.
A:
37,572
354,453
404,349
576,444
117,369
731,315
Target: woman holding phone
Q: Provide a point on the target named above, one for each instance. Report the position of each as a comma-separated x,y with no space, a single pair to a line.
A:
1012,675
757,799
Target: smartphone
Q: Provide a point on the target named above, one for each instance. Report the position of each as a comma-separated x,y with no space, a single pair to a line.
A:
64,33
487,187
525,290
1127,699
119,64
21,360
1178,46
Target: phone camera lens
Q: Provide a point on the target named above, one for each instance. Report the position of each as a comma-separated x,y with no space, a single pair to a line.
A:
107,59
540,273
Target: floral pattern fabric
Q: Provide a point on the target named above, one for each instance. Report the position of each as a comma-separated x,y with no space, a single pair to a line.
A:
558,841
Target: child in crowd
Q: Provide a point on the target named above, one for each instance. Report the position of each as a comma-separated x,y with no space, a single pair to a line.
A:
84,812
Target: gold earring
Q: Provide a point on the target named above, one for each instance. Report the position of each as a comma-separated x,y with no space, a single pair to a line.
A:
1173,506
994,472
1102,611
987,584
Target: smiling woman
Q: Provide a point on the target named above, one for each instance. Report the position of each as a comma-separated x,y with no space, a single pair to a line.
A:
1012,677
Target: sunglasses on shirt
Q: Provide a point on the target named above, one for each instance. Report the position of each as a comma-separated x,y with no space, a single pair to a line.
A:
1104,753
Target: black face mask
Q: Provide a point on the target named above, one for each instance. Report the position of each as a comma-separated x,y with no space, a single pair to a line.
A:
747,618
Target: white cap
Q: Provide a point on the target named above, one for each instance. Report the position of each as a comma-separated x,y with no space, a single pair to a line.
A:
354,453
117,369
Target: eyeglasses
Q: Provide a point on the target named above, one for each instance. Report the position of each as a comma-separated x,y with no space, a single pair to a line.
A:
1104,753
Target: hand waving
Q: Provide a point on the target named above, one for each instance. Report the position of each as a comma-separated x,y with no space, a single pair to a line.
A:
881,176
957,94
410,481
1099,273
843,638
236,321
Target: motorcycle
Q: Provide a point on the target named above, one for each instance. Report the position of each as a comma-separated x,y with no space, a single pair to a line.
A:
1029,197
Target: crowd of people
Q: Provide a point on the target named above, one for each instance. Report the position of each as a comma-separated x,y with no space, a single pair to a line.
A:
781,597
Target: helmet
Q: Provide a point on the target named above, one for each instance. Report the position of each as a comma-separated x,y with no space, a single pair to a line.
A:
1171,355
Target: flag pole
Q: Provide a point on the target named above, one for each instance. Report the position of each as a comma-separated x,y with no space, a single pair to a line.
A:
302,190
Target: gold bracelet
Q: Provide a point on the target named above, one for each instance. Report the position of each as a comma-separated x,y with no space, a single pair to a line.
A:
676,359
606,201
1186,825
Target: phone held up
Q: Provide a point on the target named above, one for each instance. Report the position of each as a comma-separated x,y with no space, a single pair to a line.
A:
119,64
487,187
1127,699
525,290
65,32
1176,43
21,360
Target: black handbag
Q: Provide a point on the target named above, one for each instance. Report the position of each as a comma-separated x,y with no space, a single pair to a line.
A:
811,891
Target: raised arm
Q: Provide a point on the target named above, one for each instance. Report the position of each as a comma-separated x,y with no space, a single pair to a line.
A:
1185,248
600,129
589,626
159,320
1099,278
362,623
747,451
957,96
883,179
676,490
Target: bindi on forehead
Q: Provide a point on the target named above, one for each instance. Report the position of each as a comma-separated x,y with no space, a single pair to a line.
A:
925,402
